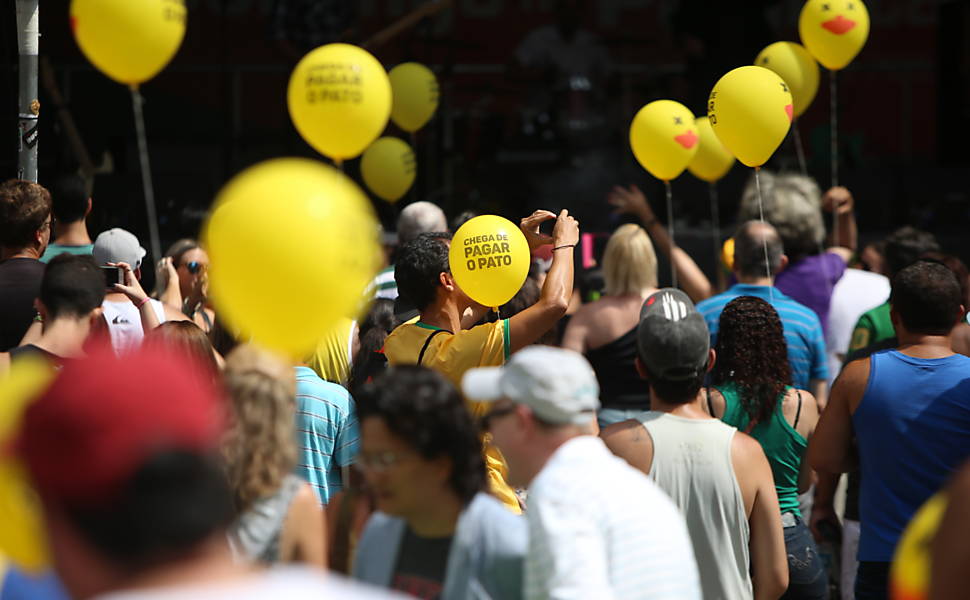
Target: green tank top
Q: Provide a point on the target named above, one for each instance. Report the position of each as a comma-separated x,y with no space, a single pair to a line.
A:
784,447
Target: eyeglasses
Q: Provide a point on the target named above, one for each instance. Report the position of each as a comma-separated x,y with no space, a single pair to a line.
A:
494,413
50,224
195,266
378,461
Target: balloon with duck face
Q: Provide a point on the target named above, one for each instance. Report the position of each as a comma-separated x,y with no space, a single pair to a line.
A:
834,31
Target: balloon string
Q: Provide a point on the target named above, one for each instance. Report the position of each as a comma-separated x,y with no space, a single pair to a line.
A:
834,123
715,225
764,239
799,148
414,187
670,230
146,173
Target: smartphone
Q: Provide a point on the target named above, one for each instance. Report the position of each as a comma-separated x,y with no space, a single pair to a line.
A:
113,275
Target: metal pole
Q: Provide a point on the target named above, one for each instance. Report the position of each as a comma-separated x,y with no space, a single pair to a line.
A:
146,173
28,37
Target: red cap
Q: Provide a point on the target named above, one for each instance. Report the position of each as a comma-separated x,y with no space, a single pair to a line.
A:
104,416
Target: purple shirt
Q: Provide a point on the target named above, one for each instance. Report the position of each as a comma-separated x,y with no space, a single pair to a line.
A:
811,280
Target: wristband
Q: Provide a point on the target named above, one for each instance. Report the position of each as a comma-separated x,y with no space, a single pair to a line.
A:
142,303
564,246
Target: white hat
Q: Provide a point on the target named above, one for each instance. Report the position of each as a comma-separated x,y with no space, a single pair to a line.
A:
117,245
558,385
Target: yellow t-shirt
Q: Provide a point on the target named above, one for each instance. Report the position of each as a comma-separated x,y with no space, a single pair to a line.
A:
331,359
452,355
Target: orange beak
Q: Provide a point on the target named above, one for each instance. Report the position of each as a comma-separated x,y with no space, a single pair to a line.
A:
790,111
839,25
687,140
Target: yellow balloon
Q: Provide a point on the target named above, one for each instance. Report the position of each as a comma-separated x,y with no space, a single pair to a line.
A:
21,537
388,168
834,31
909,578
339,99
727,254
292,244
415,92
712,160
751,111
130,41
795,65
489,259
664,138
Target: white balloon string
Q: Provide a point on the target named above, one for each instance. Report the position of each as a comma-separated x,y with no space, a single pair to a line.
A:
670,230
764,239
146,173
834,122
715,225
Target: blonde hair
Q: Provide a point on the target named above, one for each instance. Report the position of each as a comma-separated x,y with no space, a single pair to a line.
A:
792,203
629,263
260,445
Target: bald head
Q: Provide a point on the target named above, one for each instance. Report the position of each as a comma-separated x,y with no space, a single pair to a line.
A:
749,252
418,218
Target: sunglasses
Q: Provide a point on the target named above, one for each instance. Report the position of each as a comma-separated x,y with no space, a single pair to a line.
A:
194,267
494,413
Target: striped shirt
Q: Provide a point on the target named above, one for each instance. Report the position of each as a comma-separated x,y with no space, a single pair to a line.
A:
384,284
598,528
327,434
803,331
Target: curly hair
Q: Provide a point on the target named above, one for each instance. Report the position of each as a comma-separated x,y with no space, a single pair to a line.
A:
424,410
260,445
752,353
24,207
419,265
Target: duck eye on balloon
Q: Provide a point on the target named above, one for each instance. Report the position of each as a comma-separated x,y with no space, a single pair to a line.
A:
678,121
826,7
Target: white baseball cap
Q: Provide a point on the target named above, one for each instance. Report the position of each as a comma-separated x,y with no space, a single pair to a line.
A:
117,245
558,385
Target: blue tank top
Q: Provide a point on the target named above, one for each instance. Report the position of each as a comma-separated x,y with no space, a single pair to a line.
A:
913,430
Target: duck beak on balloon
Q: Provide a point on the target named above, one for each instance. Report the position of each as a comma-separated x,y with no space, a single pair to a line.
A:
687,140
790,111
839,25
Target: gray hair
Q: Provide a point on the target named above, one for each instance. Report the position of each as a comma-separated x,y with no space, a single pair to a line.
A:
418,218
792,203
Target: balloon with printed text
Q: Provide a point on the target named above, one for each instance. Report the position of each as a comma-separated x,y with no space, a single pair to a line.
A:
664,138
129,41
712,161
793,63
388,167
415,95
339,98
489,259
751,111
834,31
293,244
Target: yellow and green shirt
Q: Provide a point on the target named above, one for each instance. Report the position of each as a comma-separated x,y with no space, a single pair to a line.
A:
452,355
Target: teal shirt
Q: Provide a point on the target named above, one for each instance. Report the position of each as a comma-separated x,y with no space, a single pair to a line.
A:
784,447
55,249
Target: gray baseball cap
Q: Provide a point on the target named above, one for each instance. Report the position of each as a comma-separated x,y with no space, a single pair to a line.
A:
558,385
672,338
117,245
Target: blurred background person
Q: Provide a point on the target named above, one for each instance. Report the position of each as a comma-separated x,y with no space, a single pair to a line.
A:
71,206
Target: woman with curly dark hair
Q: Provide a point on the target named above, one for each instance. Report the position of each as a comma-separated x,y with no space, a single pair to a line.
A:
752,391
437,534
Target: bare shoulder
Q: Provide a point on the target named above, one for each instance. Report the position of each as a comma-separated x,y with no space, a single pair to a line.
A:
801,404
619,437
747,451
851,383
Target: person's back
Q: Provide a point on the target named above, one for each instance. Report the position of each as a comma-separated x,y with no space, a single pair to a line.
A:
326,430
692,462
627,516
925,401
71,206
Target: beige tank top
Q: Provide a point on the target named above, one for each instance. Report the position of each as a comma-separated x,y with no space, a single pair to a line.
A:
692,463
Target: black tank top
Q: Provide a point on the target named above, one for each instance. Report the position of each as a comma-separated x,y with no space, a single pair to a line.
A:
620,384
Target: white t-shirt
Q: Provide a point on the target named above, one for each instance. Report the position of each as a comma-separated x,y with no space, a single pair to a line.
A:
284,583
855,293
124,323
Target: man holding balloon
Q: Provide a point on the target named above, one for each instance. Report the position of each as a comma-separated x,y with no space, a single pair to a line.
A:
490,256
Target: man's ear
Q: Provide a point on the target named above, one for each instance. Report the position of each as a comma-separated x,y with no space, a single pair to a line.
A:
782,264
137,273
87,210
94,316
40,308
641,370
447,281
711,359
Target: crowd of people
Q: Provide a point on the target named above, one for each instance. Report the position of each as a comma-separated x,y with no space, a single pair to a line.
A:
652,443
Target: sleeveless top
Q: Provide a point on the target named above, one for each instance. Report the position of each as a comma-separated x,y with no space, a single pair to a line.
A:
692,463
255,536
620,384
913,431
783,445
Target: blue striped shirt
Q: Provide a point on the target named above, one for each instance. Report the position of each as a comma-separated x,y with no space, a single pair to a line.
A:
803,330
327,435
